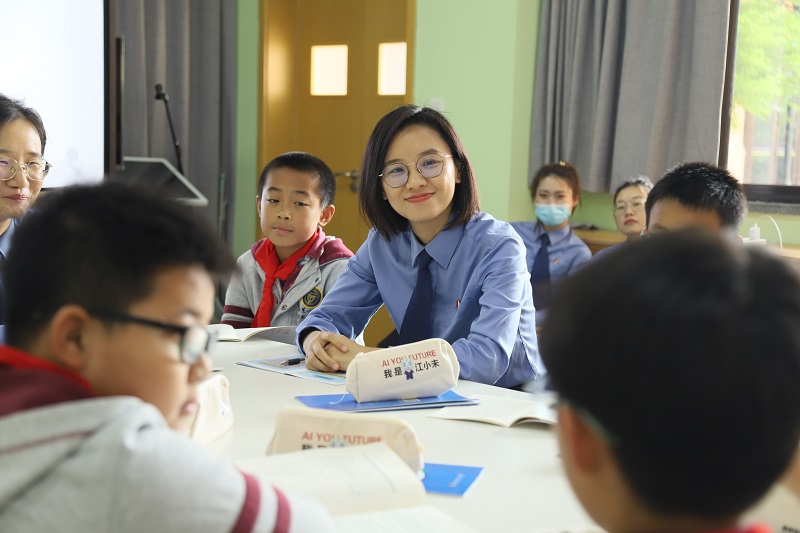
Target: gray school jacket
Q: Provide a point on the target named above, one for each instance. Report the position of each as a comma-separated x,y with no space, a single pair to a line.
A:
314,276
113,464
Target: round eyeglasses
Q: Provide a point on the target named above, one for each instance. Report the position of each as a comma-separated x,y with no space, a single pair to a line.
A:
35,169
636,205
194,340
429,166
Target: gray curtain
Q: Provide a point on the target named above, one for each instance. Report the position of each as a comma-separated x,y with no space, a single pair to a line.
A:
188,46
628,87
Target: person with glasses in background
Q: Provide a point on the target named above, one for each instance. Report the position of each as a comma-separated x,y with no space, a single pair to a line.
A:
629,212
22,169
440,266
107,343
695,195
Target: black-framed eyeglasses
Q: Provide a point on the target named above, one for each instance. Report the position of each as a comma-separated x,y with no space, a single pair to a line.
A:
429,166
35,169
194,340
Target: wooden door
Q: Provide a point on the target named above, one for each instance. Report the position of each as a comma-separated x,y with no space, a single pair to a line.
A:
335,128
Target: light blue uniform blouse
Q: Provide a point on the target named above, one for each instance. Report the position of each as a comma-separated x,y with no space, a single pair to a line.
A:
482,302
5,239
567,251
609,249
5,246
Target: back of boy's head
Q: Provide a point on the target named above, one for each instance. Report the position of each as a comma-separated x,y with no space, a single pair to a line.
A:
304,162
694,374
99,246
702,186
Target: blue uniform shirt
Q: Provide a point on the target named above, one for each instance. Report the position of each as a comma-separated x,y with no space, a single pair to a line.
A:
567,251
5,245
610,249
482,302
5,240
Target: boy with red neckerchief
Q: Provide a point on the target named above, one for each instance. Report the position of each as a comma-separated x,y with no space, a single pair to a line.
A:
680,412
286,275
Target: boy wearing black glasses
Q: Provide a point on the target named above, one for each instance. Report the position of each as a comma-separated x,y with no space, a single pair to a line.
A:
109,291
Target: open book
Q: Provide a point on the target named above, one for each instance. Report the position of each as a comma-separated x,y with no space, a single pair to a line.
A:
226,332
365,488
504,412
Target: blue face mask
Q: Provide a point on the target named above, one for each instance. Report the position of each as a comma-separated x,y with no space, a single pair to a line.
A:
553,214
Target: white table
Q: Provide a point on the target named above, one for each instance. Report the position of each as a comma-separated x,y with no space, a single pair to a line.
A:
522,487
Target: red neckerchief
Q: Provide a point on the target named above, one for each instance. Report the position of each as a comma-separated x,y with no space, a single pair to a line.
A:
267,259
18,359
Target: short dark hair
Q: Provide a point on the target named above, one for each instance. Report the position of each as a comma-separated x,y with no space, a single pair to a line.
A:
639,181
11,109
387,221
695,378
99,246
561,169
703,186
304,162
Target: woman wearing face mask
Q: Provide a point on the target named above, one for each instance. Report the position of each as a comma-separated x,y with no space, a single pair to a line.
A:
553,250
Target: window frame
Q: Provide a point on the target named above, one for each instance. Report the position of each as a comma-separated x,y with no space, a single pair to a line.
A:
771,194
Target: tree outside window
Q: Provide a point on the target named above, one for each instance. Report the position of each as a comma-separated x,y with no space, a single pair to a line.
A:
764,143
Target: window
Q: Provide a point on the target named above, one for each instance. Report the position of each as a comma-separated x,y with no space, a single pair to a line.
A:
763,143
329,70
392,69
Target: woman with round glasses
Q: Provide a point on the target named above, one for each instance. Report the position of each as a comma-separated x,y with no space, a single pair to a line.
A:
629,214
22,168
442,268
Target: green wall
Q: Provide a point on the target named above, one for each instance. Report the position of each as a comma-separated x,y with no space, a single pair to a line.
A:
244,213
477,58
595,208
481,67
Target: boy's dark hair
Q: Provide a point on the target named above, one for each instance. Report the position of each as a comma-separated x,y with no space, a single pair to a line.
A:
387,221
639,181
304,162
702,186
562,170
694,381
11,109
99,246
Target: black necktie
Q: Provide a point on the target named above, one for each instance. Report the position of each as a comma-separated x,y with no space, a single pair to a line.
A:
417,320
540,274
